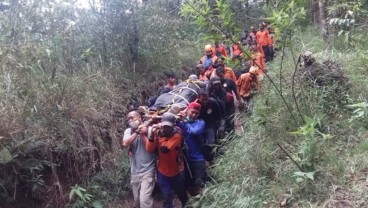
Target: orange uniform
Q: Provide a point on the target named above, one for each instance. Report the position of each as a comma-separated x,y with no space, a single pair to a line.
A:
245,84
171,162
259,61
229,73
263,39
236,50
220,50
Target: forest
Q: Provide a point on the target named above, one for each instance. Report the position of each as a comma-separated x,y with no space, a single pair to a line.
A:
70,67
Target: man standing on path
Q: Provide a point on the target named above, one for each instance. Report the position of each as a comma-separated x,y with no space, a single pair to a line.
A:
231,89
142,162
167,140
193,129
264,42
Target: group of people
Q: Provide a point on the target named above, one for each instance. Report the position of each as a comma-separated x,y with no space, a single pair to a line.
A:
173,149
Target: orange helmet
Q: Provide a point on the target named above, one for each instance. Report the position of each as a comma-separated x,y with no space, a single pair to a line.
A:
208,48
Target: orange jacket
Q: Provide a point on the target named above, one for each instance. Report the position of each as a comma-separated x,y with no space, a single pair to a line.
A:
220,49
263,38
229,73
259,61
236,50
170,163
245,84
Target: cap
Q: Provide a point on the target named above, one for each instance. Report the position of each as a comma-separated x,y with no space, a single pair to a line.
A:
168,119
194,105
215,80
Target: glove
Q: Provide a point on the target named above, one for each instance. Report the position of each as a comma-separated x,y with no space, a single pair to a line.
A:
164,149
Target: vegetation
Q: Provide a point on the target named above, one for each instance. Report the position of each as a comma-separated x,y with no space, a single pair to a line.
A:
68,72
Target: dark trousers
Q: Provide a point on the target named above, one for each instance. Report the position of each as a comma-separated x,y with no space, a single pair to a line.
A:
210,135
266,50
170,184
230,116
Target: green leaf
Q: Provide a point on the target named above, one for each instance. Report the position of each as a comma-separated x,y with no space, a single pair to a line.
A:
5,156
310,175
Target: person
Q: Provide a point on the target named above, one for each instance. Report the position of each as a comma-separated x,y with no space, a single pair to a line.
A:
209,59
237,52
142,162
171,82
201,72
219,50
193,129
272,42
252,37
231,90
263,42
229,73
218,92
211,112
244,37
258,61
247,84
168,141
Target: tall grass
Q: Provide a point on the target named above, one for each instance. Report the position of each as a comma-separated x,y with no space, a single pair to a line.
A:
255,172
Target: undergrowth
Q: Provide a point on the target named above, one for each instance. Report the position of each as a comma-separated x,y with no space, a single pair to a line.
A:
323,151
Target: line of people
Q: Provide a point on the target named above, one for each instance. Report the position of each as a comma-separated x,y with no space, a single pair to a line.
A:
173,149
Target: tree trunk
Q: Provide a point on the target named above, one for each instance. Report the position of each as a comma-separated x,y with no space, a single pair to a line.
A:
323,23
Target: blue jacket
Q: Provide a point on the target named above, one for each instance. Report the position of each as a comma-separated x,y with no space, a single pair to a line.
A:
193,134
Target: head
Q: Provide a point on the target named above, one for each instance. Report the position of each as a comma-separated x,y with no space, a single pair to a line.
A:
201,69
134,119
208,50
220,62
220,72
193,111
167,124
215,84
253,29
170,78
203,97
261,26
132,105
217,44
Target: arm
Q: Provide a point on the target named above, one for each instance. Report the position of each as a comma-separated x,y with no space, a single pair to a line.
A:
151,142
195,127
128,137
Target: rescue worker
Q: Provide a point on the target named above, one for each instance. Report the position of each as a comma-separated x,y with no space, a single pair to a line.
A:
219,50
229,73
231,90
247,84
142,162
193,129
201,72
263,42
258,61
209,59
212,113
167,140
218,92
252,37
237,52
